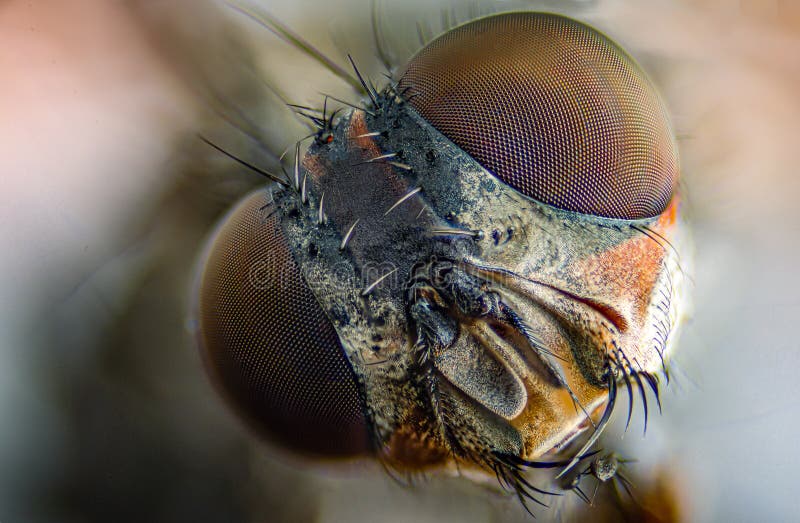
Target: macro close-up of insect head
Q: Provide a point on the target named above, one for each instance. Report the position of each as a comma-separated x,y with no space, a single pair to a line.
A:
367,260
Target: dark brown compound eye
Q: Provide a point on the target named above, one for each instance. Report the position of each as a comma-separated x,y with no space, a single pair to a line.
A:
553,108
267,343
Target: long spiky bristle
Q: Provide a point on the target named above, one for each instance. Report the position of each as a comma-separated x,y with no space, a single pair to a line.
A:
248,165
378,38
276,27
373,96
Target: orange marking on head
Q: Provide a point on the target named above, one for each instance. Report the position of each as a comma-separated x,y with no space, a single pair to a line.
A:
358,127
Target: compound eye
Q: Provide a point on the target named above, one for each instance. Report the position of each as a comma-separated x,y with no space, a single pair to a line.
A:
551,107
269,346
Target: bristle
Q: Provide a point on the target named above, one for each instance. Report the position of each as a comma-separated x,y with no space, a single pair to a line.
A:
287,35
639,385
379,158
627,380
348,104
445,16
444,231
653,382
401,166
297,166
348,235
408,195
250,166
377,282
582,495
376,35
372,96
601,425
321,218
369,135
423,35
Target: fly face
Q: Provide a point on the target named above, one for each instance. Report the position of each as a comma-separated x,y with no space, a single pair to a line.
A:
459,275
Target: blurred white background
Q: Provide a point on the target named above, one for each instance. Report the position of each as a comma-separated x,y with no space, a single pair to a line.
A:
104,411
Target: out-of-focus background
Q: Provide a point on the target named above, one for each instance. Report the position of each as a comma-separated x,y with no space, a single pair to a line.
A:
105,196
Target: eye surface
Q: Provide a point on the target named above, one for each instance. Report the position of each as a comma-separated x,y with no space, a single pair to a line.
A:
553,108
268,344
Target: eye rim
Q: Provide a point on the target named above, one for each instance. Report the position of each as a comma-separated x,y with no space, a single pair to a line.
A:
354,441
663,180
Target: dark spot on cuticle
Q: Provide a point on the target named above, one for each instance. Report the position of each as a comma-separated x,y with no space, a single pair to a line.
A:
430,156
340,315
